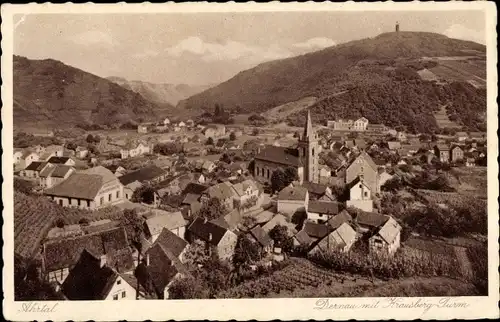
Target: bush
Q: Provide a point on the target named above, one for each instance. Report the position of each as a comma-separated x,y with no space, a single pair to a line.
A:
60,223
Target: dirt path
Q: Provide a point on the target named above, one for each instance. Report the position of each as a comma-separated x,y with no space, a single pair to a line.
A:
465,264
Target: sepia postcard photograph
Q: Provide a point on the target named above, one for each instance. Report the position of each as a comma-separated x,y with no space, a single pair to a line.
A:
250,161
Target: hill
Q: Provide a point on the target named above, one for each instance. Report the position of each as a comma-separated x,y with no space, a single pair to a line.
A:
380,66
160,93
48,93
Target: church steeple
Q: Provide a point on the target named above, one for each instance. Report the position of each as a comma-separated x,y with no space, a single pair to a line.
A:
308,129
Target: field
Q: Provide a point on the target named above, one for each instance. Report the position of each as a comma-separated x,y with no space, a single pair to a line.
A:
34,216
303,279
442,119
461,70
281,112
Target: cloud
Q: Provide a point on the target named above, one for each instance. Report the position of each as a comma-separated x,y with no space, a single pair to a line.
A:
315,43
230,50
94,37
461,32
148,53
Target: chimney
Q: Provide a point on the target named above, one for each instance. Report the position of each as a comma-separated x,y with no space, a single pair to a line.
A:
103,260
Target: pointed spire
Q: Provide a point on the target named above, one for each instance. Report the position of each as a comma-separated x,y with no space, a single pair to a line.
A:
308,129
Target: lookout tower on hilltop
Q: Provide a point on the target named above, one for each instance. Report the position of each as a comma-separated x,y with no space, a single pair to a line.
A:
397,26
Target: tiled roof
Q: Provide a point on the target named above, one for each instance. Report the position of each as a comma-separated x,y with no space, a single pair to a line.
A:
315,188
106,175
394,145
194,188
60,171
205,229
77,185
280,155
87,280
241,187
292,193
172,242
65,252
371,219
303,238
390,230
163,219
278,219
144,174
58,160
221,191
314,230
346,233
36,166
323,207
190,198
338,220
261,236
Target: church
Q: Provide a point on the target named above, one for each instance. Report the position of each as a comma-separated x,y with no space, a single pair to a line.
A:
304,157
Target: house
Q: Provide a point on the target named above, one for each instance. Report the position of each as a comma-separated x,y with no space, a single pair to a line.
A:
81,152
131,150
318,191
190,123
166,121
361,124
321,211
461,136
90,189
369,221
93,278
229,221
470,162
181,124
247,194
261,237
292,199
208,166
376,128
394,145
130,188
33,169
175,244
401,136
224,192
363,166
342,239
52,151
349,125
301,238
442,152
457,153
324,171
142,128
316,231
61,160
387,238
360,195
279,220
339,219
172,221
216,238
18,153
214,131
117,170
59,256
27,157
54,174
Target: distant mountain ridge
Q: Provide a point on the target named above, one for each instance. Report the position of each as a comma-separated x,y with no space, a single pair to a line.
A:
48,93
160,93
367,65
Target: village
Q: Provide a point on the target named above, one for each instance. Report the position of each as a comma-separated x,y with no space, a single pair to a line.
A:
170,202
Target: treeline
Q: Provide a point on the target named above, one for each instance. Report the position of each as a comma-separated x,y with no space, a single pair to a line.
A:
403,101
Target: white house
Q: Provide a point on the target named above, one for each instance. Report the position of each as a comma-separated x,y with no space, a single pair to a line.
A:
166,121
387,239
172,221
360,195
321,211
340,239
292,199
132,150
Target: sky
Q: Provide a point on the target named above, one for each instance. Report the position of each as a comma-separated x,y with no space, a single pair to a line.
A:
209,48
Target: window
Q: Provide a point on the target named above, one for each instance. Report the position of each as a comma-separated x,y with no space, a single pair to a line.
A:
117,194
312,151
366,194
78,201
118,282
268,173
124,294
109,197
60,202
115,297
102,200
88,203
257,170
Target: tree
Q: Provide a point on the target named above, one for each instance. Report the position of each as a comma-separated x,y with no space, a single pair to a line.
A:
186,288
90,138
246,251
145,194
299,217
225,158
291,175
212,209
134,227
278,180
71,146
232,136
60,223
210,141
281,238
255,132
23,186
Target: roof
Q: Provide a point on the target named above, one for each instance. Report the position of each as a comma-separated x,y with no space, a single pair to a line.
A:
36,165
315,188
363,155
278,219
355,182
27,153
144,174
241,187
292,193
77,185
280,155
303,238
221,191
442,147
346,233
371,219
101,171
205,229
308,128
163,219
60,171
393,145
58,160
65,252
360,143
194,188
323,207
315,230
264,217
47,171
87,280
191,198
390,230
172,242
260,236
339,219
